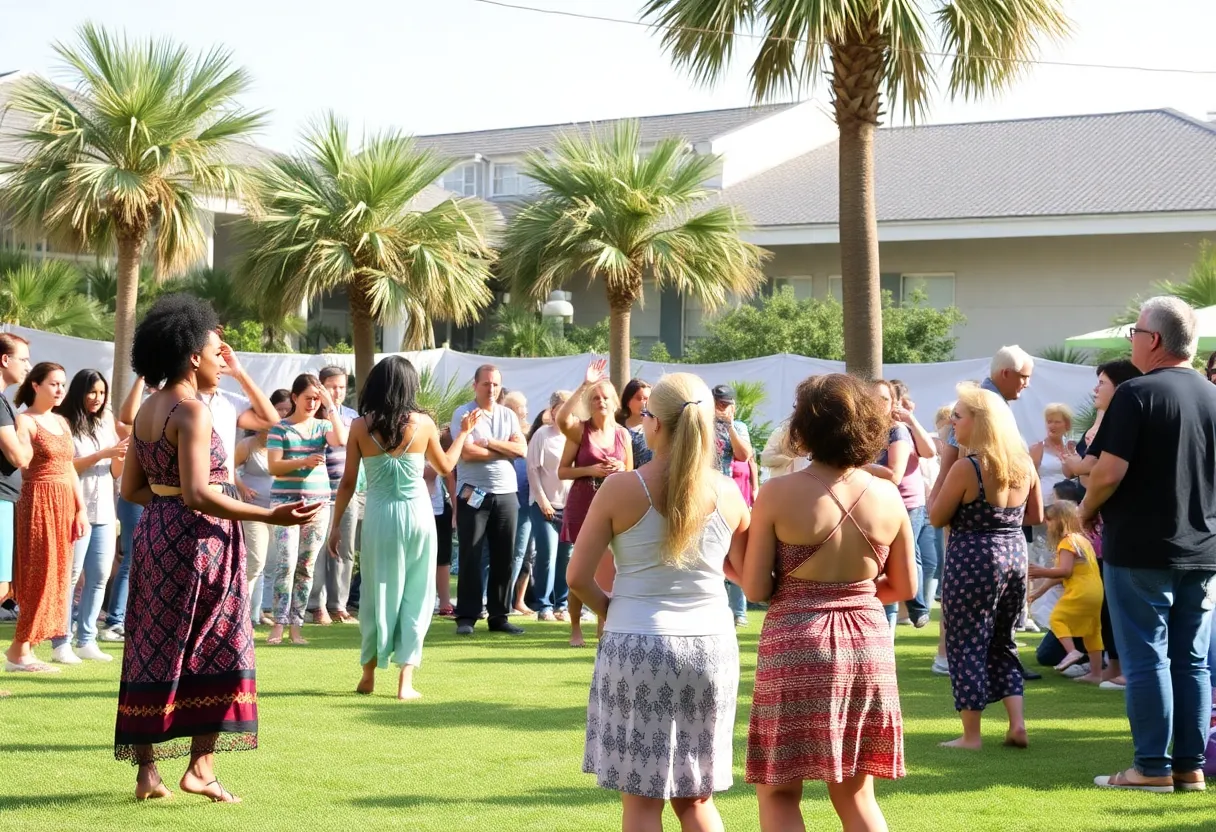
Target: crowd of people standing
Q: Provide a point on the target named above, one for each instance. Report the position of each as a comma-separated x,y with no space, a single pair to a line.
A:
643,509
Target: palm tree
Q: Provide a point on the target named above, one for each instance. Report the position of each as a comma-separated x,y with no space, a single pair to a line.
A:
46,296
233,305
607,210
122,160
369,221
868,49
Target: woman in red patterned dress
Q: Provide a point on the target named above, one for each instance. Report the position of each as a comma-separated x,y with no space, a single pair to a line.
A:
596,448
825,705
187,671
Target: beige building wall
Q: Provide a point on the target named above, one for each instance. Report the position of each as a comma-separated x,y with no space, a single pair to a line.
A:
1031,291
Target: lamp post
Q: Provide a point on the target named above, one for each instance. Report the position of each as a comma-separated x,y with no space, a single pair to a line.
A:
557,312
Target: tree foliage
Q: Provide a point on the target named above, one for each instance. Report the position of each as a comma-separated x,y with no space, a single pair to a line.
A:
45,295
518,332
912,334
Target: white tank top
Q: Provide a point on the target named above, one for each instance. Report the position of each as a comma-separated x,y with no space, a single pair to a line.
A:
1051,471
651,597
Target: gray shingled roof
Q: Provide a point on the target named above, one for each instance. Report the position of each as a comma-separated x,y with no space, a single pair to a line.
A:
694,127
1150,161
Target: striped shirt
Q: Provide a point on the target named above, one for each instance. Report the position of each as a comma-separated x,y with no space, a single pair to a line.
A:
297,442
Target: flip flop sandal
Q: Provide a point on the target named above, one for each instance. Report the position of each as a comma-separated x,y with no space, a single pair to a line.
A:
1190,785
1120,781
1075,657
224,793
29,667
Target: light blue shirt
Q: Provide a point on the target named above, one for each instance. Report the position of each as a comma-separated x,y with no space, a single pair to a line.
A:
496,476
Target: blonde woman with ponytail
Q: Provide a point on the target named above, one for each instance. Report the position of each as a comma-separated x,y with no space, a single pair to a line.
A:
676,528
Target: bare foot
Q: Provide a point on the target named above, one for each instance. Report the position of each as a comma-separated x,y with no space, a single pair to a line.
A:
963,742
366,685
576,640
408,694
149,786
296,636
276,635
1091,678
213,791
525,612
322,617
1016,738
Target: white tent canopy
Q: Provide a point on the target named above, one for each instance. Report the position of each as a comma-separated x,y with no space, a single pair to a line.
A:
1116,336
932,385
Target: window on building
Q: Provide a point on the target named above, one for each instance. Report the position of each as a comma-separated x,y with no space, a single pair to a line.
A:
938,287
461,180
801,284
696,318
508,181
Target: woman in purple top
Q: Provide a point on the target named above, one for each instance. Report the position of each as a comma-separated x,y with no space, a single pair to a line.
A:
907,442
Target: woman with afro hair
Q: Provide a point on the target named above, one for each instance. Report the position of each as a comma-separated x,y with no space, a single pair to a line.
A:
187,674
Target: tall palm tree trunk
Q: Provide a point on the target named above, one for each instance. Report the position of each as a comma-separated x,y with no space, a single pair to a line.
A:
856,77
363,332
130,247
619,360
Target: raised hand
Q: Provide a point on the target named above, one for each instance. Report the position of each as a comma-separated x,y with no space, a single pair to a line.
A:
327,401
470,419
597,371
229,355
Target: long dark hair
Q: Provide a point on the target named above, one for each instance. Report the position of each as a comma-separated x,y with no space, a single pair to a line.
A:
306,381
389,396
25,393
73,409
538,422
631,389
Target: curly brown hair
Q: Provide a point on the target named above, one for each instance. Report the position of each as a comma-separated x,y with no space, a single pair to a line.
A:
839,421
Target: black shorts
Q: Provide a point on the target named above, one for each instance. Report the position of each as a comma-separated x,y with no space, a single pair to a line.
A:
443,531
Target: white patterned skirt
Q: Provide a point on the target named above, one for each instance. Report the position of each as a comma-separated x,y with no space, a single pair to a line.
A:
661,714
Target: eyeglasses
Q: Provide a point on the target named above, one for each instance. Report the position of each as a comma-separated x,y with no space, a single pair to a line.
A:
1134,331
646,414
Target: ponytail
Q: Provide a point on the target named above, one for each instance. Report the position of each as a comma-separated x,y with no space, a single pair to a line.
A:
683,404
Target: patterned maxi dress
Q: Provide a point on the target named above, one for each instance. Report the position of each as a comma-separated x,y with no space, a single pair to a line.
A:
983,592
826,702
187,669
45,512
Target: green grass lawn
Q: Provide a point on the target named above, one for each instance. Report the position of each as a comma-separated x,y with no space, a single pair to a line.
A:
496,745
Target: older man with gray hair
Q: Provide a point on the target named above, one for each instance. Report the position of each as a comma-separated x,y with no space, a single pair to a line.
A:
1153,482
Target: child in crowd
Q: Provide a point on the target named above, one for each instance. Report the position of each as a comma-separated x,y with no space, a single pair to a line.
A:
1078,612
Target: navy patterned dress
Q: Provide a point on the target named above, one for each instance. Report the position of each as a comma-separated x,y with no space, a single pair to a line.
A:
983,592
187,669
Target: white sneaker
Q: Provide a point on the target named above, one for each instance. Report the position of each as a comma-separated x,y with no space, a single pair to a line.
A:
93,653
1029,627
941,667
1075,670
112,634
63,655
7,614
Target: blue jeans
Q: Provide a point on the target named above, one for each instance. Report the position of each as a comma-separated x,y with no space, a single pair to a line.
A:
1163,626
93,554
523,539
925,537
737,600
128,516
552,557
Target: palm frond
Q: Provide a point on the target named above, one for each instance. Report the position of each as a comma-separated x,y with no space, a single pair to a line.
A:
1065,354
45,296
146,132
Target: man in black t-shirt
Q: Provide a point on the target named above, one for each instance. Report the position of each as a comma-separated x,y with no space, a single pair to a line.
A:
1153,480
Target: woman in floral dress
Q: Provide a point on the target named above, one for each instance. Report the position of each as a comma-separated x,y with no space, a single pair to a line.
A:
985,500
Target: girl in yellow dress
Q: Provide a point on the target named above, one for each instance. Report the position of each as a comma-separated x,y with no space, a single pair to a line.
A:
1078,613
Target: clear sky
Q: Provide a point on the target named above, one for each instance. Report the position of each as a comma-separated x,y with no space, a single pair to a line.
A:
431,66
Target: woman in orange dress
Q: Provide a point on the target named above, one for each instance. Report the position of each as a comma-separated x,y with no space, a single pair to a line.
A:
51,517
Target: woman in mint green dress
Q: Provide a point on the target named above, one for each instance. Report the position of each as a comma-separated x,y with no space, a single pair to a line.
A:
393,439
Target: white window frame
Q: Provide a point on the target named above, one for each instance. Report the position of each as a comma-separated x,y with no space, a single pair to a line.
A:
793,281
836,280
496,182
468,174
905,277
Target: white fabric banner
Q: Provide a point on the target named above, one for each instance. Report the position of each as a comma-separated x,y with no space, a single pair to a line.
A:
932,385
